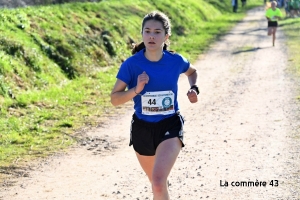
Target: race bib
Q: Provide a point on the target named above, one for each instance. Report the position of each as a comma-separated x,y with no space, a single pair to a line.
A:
158,103
273,18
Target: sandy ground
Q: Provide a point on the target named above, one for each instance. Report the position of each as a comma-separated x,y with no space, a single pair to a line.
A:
243,130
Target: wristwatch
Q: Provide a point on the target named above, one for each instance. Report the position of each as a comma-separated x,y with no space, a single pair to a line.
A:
195,87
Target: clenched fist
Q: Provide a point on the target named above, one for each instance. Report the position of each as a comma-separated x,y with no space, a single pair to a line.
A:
142,80
192,95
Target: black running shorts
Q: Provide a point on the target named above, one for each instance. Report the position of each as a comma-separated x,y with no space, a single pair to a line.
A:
146,136
272,24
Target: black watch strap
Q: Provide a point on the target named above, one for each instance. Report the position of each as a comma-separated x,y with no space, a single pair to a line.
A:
195,87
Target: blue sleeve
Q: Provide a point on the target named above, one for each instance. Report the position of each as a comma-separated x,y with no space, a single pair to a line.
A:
124,73
185,64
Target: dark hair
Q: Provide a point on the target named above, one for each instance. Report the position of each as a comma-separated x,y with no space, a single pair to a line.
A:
141,45
157,16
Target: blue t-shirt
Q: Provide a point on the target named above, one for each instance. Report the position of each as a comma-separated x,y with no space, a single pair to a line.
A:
163,76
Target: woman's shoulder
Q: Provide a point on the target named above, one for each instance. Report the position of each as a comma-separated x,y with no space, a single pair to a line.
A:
176,57
174,54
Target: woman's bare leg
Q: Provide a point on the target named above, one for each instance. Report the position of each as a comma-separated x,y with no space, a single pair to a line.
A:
270,30
158,167
274,36
166,155
147,163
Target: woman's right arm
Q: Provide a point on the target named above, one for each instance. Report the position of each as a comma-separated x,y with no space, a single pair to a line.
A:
119,96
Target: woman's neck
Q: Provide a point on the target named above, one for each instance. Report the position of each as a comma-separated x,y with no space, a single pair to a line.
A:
153,56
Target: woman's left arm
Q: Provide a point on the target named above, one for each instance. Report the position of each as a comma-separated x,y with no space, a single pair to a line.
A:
192,75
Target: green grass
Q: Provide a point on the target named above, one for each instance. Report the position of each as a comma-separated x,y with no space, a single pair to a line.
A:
58,64
291,28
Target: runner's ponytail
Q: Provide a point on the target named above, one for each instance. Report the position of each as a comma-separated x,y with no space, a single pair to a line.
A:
141,45
138,47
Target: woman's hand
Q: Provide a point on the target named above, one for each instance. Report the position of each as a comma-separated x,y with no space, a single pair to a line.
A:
192,95
142,80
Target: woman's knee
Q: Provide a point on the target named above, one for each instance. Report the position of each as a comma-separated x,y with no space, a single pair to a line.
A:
159,184
270,33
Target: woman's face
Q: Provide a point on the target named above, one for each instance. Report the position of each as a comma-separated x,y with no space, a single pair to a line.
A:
273,5
154,35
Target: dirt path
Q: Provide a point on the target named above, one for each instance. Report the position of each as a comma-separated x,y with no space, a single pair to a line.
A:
242,130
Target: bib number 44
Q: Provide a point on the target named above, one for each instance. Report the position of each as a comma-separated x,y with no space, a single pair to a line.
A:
152,101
